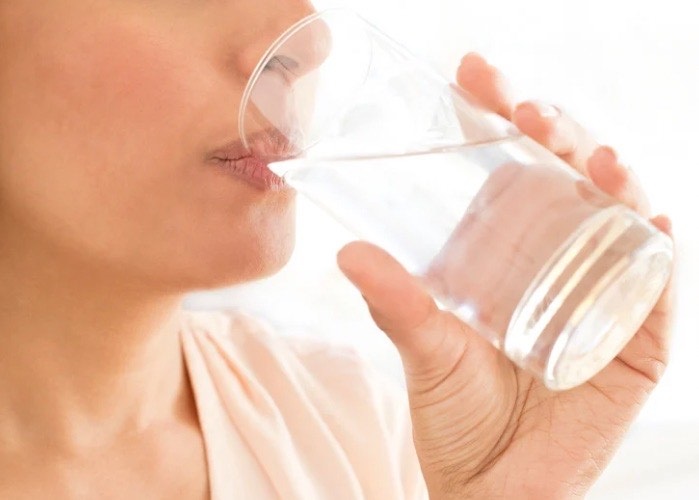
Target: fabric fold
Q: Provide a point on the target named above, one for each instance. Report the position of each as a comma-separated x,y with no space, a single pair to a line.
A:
294,418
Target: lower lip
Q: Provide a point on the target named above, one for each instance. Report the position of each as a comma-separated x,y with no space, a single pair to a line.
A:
255,172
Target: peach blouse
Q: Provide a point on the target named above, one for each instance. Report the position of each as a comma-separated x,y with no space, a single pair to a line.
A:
295,418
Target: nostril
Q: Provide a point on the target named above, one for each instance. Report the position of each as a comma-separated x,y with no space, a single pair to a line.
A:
285,66
289,63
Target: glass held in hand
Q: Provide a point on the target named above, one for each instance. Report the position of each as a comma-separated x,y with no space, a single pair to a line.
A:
503,233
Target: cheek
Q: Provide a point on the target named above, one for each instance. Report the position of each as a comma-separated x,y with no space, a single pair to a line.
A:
108,128
98,124
134,95
105,113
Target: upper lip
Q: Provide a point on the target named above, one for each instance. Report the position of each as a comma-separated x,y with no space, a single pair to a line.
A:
268,145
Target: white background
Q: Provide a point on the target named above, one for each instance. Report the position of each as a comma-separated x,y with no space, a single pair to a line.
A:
629,72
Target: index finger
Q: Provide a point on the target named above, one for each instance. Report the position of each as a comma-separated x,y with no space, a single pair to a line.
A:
485,83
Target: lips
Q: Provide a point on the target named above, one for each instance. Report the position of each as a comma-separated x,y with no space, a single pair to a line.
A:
250,164
255,172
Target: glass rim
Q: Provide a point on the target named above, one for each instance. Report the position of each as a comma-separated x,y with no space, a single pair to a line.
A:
273,47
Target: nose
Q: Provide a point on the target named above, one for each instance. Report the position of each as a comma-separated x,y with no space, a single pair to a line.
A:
302,51
306,48
282,94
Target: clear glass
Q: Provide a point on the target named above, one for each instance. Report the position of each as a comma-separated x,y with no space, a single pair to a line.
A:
554,272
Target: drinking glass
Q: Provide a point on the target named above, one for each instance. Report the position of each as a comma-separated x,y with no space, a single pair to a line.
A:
501,232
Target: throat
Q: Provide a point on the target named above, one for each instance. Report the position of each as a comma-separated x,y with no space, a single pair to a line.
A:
73,393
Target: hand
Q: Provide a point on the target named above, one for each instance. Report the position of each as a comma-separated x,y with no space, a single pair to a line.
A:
482,427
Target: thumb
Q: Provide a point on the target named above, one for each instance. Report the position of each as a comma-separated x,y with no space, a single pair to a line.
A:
428,339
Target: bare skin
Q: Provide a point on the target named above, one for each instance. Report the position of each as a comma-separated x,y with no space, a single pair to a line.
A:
110,213
482,427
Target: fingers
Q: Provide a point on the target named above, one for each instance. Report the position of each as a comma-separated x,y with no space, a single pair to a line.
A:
663,223
544,123
397,304
485,83
659,324
648,351
556,131
384,283
617,180
401,307
562,135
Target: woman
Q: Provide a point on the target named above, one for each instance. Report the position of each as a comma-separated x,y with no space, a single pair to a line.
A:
112,207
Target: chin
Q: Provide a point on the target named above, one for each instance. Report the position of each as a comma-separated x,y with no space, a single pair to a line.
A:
263,265
257,260
222,275
258,244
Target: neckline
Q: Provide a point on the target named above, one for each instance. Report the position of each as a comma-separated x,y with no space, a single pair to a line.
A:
203,416
233,468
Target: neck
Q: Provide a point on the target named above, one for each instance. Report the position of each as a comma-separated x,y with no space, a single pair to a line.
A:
86,358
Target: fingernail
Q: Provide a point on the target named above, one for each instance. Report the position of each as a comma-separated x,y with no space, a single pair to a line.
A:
663,223
667,223
607,154
610,154
546,110
562,137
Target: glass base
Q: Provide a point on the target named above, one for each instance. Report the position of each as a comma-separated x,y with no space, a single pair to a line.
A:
590,298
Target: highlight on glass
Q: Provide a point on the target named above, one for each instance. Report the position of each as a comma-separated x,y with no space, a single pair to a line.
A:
529,253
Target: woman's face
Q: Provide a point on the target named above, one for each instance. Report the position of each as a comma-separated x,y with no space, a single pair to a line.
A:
109,114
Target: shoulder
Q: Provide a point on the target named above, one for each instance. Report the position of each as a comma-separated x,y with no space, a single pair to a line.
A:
342,395
243,335
310,363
